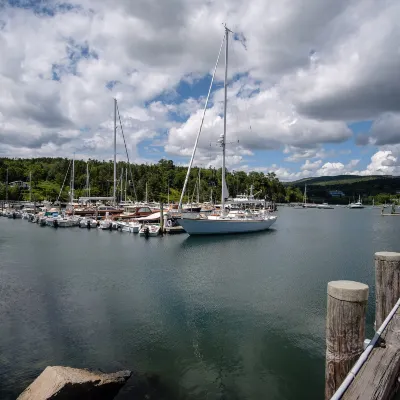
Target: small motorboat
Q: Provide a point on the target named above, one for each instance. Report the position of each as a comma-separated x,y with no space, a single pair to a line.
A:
325,206
149,230
88,223
106,224
131,226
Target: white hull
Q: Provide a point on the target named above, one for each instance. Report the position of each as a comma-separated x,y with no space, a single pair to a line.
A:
153,230
132,227
325,207
84,223
105,225
224,226
65,223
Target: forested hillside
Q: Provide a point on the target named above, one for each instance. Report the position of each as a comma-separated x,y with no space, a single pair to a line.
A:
381,188
48,175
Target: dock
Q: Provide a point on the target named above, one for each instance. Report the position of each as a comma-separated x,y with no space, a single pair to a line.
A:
174,229
358,368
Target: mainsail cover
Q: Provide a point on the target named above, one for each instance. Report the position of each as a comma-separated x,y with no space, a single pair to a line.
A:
225,192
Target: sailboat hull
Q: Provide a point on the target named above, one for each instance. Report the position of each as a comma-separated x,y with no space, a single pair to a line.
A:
224,226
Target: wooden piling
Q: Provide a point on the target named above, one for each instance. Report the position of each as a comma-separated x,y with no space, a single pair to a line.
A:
387,282
162,218
345,330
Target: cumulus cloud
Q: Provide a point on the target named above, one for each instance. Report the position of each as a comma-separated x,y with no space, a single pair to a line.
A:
296,77
260,122
385,130
357,78
311,166
383,162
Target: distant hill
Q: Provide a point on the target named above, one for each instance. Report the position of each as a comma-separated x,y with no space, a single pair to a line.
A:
341,180
368,187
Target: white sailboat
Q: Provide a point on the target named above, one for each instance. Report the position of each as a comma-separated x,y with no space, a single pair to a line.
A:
356,205
305,204
223,223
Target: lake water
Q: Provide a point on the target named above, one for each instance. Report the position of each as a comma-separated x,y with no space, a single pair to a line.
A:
230,317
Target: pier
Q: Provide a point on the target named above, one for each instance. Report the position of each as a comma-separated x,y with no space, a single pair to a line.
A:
358,368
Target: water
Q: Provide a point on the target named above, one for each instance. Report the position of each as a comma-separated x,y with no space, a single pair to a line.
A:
234,317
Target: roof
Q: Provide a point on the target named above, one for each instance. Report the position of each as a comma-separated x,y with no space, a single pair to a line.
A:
151,217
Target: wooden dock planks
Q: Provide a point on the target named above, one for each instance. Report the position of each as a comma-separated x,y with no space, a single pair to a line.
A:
378,378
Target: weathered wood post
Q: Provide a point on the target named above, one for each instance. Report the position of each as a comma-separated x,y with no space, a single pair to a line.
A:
387,282
345,330
162,218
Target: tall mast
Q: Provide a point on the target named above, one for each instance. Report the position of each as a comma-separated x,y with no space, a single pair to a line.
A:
146,200
223,141
168,193
115,152
198,188
87,180
7,185
73,180
122,183
30,186
126,181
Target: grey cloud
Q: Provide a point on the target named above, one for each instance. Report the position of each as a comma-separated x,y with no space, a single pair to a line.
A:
25,140
362,140
357,78
365,101
385,130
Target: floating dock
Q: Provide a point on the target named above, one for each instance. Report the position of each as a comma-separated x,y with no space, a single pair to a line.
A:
174,229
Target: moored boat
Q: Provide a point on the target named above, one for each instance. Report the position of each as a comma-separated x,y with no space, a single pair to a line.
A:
223,223
149,230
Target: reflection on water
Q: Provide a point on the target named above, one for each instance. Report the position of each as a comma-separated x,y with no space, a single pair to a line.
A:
221,317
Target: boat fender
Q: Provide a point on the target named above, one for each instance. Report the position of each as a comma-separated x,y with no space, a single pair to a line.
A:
55,223
110,227
88,224
169,223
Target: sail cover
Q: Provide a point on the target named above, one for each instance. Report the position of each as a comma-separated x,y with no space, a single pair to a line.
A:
225,192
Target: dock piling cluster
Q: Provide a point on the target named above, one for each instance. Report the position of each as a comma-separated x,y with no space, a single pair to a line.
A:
352,372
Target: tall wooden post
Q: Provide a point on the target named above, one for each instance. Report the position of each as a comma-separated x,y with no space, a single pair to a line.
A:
162,218
345,330
387,281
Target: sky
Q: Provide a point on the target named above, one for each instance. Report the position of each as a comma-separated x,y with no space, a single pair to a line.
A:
313,86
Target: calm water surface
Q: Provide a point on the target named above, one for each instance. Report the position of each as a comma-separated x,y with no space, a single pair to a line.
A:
233,317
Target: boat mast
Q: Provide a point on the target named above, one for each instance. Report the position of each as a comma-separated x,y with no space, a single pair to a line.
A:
122,184
30,186
87,180
198,189
146,198
168,193
126,181
223,141
72,181
7,185
305,194
115,152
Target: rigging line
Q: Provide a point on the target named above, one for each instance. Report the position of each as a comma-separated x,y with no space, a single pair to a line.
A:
127,155
201,126
65,178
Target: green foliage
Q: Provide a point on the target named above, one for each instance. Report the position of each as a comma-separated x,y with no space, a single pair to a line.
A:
48,175
381,189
